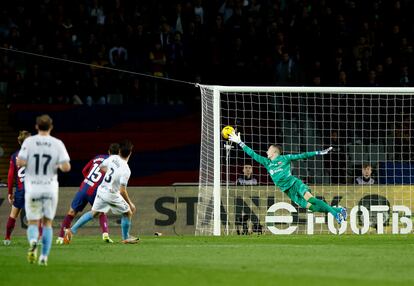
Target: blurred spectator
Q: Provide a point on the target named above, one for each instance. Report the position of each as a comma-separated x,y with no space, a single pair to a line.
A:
405,79
366,178
96,93
199,11
247,178
118,55
176,57
228,42
157,60
286,72
16,89
178,21
97,13
342,79
134,94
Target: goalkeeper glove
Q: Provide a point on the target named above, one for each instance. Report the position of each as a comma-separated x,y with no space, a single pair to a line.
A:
233,137
324,152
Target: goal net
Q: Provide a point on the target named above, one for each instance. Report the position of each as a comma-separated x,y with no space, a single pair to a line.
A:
369,170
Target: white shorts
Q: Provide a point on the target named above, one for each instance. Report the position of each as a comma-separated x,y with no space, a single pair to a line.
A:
105,201
40,204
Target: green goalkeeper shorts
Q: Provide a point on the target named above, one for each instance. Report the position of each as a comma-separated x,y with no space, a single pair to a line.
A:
296,193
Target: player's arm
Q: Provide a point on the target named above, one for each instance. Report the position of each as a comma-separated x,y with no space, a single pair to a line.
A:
236,139
65,166
10,180
125,195
306,155
20,162
21,159
64,160
123,191
87,168
104,165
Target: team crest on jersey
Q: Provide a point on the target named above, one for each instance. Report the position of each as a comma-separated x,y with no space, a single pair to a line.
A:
279,163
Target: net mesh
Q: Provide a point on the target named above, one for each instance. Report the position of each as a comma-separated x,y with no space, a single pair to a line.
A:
364,129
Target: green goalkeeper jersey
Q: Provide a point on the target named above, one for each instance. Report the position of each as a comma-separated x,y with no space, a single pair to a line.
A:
279,168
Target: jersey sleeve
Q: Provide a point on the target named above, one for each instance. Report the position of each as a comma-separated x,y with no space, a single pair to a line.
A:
10,177
104,163
260,159
123,180
63,154
23,153
294,157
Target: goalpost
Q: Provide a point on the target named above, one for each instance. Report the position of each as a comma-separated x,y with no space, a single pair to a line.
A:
364,125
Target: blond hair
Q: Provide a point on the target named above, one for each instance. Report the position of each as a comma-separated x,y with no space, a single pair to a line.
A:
23,134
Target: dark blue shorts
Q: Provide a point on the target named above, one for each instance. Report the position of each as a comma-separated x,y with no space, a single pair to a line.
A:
81,199
19,199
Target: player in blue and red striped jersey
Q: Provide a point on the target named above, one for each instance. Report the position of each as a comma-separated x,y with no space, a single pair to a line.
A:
93,177
16,199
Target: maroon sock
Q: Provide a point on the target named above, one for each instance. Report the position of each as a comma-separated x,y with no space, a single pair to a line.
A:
67,221
11,222
103,221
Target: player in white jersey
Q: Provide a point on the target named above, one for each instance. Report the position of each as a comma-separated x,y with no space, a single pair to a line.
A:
42,155
112,194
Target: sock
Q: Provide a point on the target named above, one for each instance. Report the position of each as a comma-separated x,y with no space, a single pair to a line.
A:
321,206
82,221
125,225
67,221
32,233
103,221
315,208
47,240
11,222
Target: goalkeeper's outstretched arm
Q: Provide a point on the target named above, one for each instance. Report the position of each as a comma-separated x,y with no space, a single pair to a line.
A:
306,155
233,137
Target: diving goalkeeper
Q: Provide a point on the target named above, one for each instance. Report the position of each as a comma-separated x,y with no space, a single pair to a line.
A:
278,166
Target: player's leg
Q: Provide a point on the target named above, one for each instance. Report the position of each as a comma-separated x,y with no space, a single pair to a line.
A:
317,205
49,205
78,204
66,223
32,237
40,227
11,222
84,219
100,205
47,238
126,227
17,206
103,221
120,206
33,209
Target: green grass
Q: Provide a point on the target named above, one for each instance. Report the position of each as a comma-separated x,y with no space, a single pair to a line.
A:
251,260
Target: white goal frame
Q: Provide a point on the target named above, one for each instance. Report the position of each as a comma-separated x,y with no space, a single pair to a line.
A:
216,94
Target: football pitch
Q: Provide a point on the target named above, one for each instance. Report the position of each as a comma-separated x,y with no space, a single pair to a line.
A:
235,260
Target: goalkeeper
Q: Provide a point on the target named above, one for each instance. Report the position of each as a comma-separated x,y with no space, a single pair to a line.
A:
278,166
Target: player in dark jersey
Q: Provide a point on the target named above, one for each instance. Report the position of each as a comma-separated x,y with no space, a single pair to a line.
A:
16,199
93,176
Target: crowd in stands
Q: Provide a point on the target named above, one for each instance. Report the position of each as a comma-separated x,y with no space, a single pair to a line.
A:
229,42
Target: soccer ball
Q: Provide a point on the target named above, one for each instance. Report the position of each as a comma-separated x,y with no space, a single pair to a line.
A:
226,131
